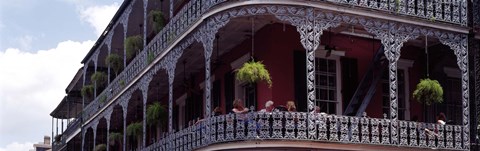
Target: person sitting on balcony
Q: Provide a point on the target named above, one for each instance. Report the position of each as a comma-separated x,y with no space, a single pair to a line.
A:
291,106
441,118
268,106
238,107
217,111
318,110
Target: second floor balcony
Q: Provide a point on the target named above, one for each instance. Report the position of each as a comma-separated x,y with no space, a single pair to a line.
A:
297,130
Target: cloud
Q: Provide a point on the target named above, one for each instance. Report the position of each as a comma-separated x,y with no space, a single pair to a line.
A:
15,146
32,85
99,16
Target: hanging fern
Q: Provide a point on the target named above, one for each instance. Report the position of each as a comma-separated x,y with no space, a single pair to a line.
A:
150,57
428,91
156,113
115,137
122,83
115,62
158,22
133,44
252,72
87,91
101,147
135,129
99,77
102,99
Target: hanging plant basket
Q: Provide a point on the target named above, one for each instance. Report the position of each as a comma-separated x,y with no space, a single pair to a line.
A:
87,91
428,91
133,45
252,72
101,147
100,78
115,137
115,62
157,20
155,114
135,129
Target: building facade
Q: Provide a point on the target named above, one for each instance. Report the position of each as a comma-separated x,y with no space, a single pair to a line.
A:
358,61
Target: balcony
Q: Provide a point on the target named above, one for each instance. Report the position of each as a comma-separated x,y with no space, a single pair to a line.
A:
452,12
375,130
258,129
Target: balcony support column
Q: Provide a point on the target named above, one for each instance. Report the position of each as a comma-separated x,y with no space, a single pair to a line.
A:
108,115
124,22
392,37
144,87
169,64
310,29
171,9
124,104
206,36
53,136
83,138
94,127
108,41
95,60
56,127
145,5
459,44
85,67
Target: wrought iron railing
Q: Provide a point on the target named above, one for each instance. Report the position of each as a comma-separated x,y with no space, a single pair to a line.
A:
295,126
452,11
72,127
189,14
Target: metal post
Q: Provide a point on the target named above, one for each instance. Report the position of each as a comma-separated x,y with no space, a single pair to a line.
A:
52,133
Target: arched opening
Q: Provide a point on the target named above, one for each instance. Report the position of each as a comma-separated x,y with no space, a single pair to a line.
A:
135,120
157,99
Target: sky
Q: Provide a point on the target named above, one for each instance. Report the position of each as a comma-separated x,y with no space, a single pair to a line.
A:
42,43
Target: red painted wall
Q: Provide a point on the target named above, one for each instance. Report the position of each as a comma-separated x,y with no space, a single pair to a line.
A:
275,44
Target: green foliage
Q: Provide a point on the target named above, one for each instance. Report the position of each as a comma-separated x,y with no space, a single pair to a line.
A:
133,44
99,77
101,147
135,129
157,19
115,62
397,5
115,137
252,72
150,57
428,91
87,91
102,99
156,113
122,83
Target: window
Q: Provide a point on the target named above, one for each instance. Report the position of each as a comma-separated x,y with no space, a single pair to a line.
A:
453,100
216,94
326,85
403,90
250,95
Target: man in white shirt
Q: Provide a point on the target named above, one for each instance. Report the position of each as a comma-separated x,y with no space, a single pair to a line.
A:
268,106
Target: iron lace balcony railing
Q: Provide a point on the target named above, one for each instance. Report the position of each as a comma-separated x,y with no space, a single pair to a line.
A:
294,126
190,13
452,11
